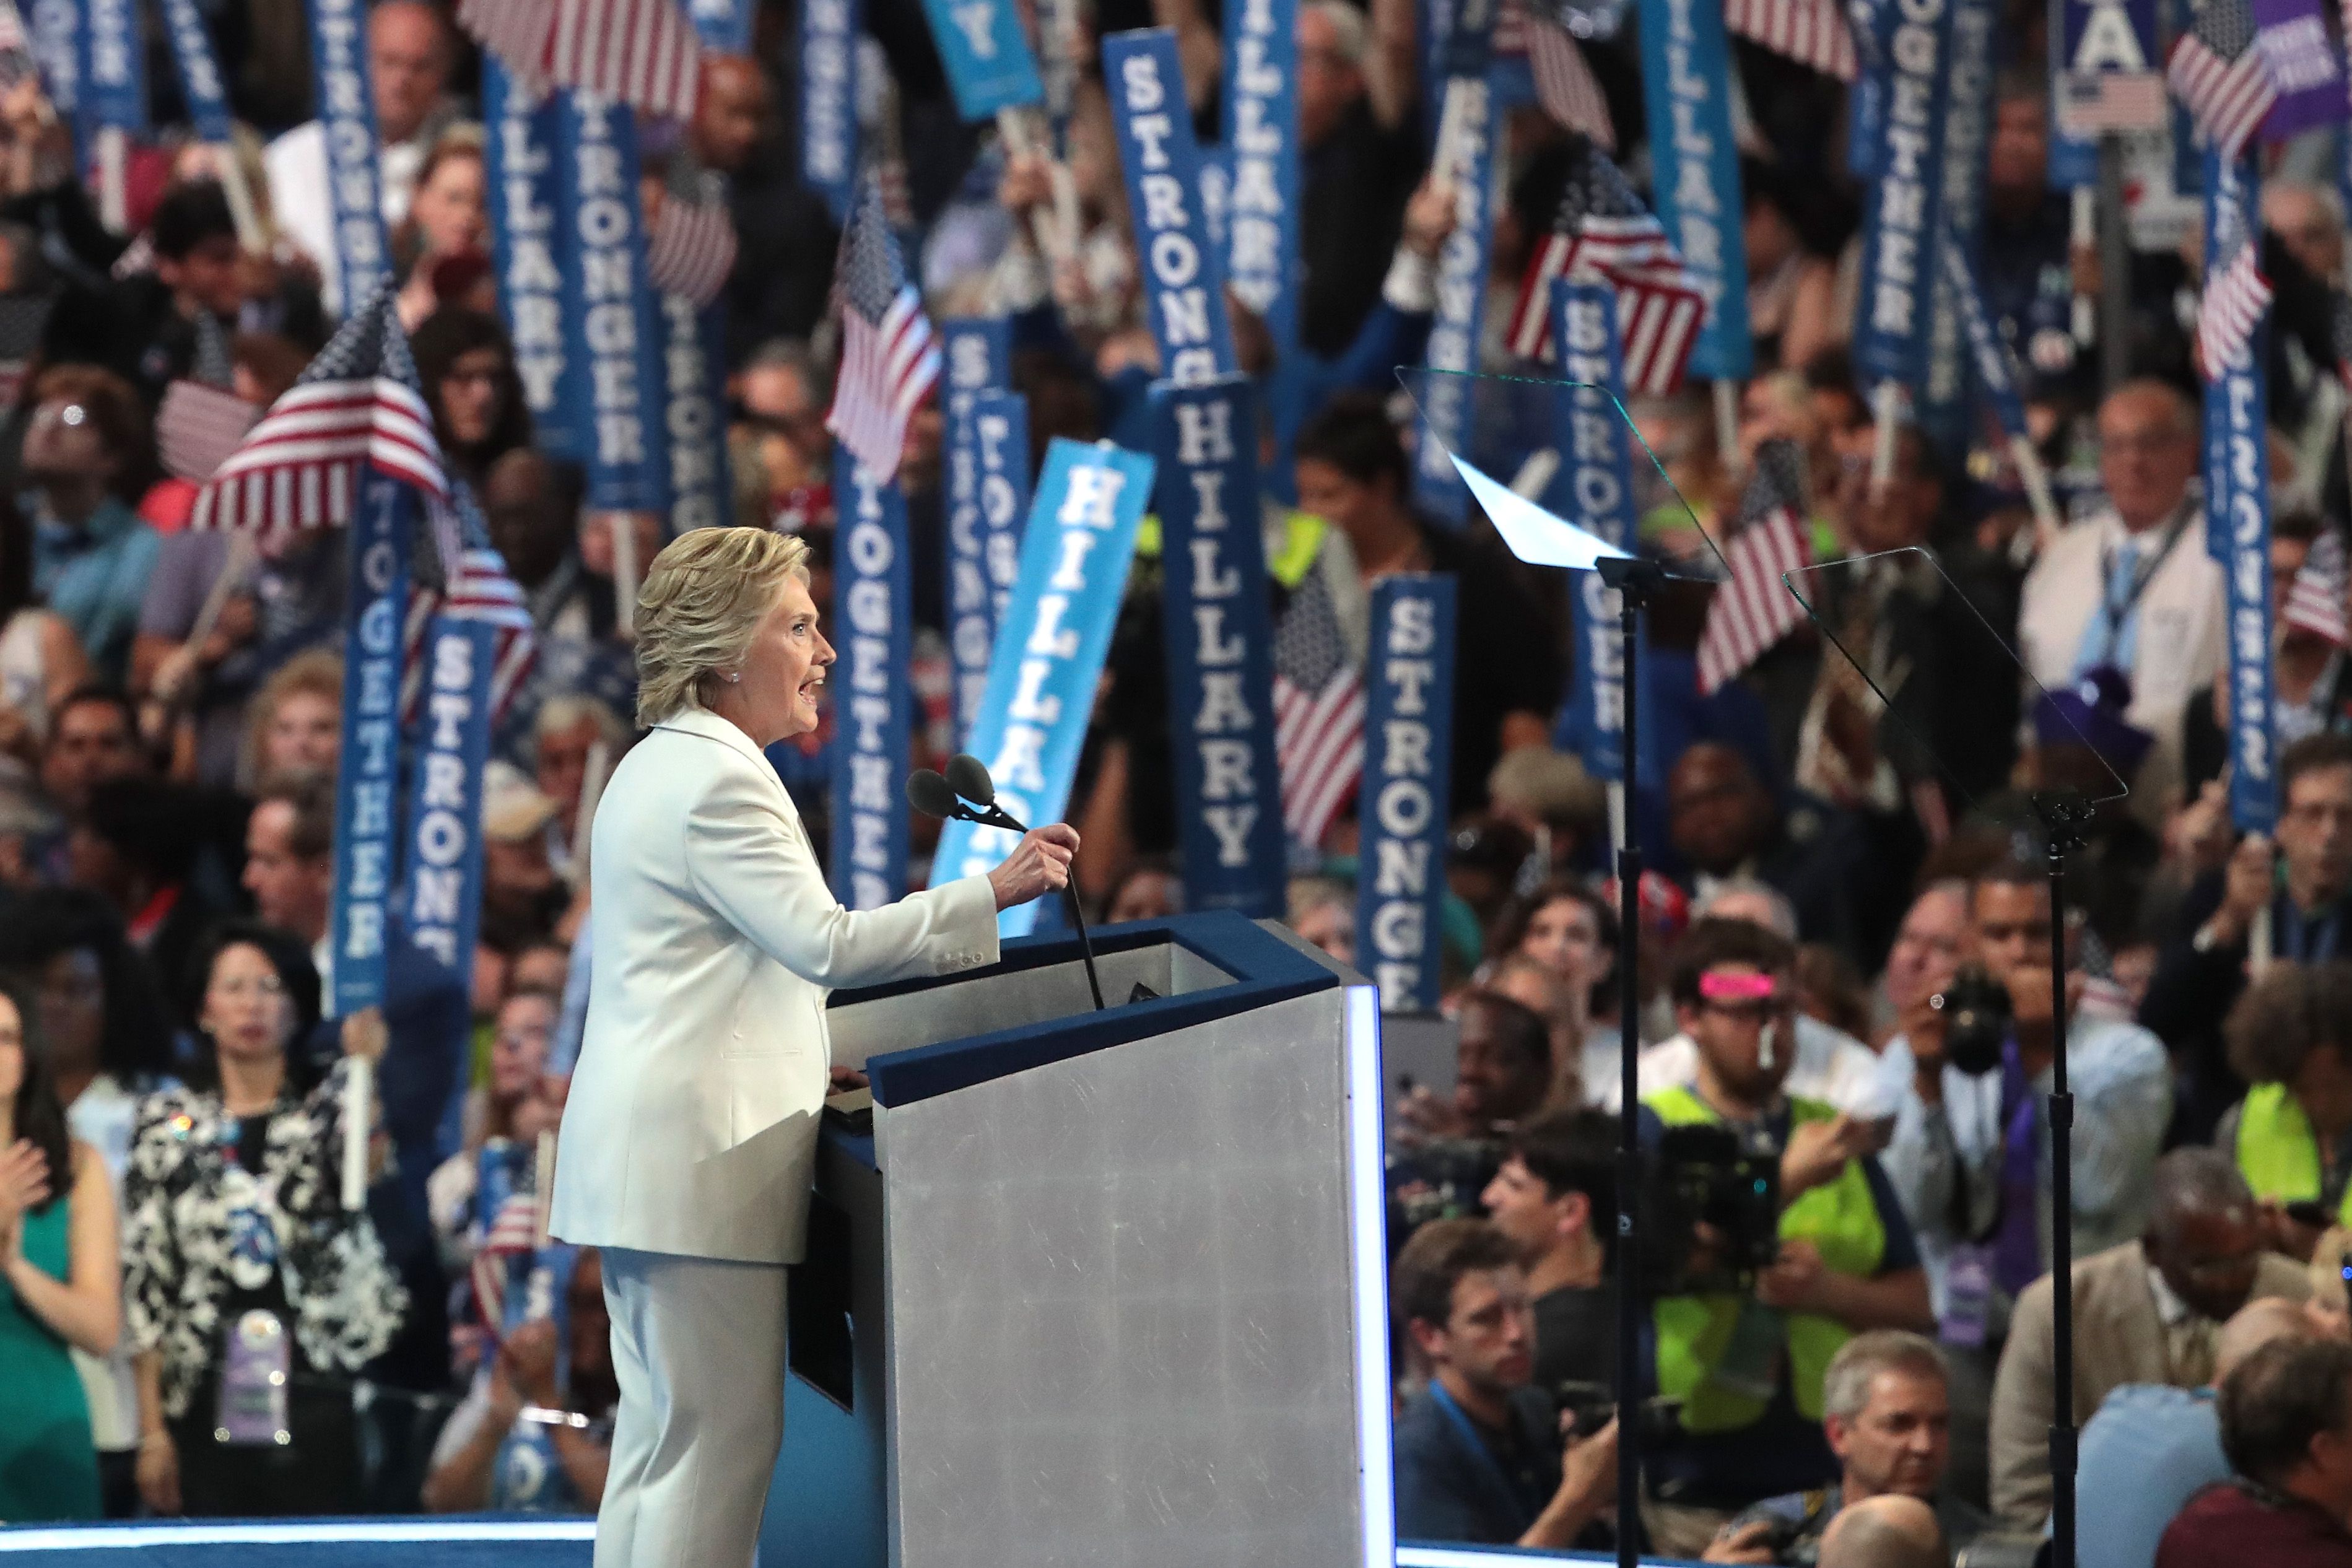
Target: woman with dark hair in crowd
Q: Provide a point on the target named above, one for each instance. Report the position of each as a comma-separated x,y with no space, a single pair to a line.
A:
468,369
59,1285
1570,930
159,854
241,1262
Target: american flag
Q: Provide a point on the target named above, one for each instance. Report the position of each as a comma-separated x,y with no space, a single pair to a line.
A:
2232,307
1754,609
2314,600
511,1234
1319,712
482,592
198,426
1603,231
2090,102
2218,74
1811,32
691,249
357,404
643,53
889,362
1565,85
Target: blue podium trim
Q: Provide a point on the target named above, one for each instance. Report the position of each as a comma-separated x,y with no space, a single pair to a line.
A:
1266,970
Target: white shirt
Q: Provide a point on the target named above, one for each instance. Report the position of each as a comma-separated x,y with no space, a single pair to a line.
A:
1831,1066
303,202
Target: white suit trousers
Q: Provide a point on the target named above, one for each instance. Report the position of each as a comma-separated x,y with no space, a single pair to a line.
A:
699,1351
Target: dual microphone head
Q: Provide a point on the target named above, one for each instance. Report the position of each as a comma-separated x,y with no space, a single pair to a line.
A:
935,794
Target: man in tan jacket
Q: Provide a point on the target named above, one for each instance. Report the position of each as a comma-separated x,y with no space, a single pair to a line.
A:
2146,1311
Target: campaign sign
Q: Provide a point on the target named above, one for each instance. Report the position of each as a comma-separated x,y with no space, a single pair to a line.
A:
113,65
55,36
1040,681
975,353
1262,138
365,821
445,803
873,701
1219,624
1454,332
1686,86
1944,405
616,331
1182,275
2238,504
985,55
363,259
722,24
828,57
529,245
2304,64
1000,426
199,68
2109,79
694,417
1905,207
1408,765
1601,492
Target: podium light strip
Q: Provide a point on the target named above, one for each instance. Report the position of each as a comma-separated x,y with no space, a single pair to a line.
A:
122,1538
1367,1227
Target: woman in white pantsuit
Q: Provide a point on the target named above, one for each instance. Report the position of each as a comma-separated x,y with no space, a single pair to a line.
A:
690,1133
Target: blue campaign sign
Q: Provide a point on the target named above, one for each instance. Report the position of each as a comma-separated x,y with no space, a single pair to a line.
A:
976,354
610,306
1455,334
113,65
1182,274
444,895
985,55
722,24
828,57
1219,625
1262,212
531,246
1408,744
1686,87
1041,682
2108,37
694,414
199,68
55,36
1594,442
1000,426
1946,403
873,701
2238,504
366,824
363,261
1905,205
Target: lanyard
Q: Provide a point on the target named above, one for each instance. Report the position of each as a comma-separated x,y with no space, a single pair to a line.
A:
1489,1467
2115,614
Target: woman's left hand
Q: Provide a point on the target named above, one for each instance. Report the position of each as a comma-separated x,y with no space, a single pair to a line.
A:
365,1035
528,1359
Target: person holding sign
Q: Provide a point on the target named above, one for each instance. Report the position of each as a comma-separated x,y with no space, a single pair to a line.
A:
695,1101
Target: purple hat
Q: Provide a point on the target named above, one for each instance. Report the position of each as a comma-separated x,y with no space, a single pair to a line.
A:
2091,712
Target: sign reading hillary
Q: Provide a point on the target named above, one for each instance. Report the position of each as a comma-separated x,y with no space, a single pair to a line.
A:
1905,206
976,354
2238,504
873,701
1262,212
986,56
1466,151
1184,278
365,823
347,115
615,333
694,423
1408,765
1686,84
828,57
199,68
1041,682
1218,621
1601,492
113,65
1945,404
530,244
1000,426
444,804
2109,79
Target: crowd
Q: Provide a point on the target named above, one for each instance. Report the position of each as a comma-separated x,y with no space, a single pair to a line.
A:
194,1322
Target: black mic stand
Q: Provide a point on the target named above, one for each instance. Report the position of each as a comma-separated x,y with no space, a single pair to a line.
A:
2064,815
1637,581
993,815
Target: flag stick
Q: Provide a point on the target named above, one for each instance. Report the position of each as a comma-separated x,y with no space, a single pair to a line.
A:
624,572
2083,236
249,236
1886,407
1727,424
359,1092
542,1196
1056,234
114,155
2046,521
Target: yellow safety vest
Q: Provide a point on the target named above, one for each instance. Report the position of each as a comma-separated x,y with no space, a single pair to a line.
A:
1302,539
1839,1217
2276,1152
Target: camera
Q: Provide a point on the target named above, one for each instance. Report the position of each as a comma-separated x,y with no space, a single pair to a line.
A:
1594,1406
1978,1016
1714,1220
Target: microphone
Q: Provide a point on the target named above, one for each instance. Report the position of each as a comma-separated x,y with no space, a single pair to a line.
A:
937,794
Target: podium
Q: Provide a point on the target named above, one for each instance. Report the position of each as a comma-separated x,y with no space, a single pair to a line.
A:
1098,1287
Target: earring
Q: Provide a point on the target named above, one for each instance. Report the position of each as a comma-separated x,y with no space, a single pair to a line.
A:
734,677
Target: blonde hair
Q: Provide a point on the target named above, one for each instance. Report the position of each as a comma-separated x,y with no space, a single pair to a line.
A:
704,595
317,672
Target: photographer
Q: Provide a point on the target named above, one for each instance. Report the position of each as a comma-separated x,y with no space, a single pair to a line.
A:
1971,1155
1747,1357
1478,1452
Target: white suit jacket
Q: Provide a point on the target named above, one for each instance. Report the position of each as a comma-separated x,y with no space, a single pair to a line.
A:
692,1123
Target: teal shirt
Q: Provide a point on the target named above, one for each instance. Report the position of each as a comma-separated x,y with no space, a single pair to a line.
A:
95,576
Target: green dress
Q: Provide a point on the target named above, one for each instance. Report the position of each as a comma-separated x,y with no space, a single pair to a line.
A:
48,1465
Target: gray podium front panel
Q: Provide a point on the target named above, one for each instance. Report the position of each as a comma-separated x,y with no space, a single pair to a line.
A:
1123,1328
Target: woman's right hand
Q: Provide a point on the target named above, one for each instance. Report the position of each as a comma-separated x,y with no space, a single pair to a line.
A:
1038,865
159,1472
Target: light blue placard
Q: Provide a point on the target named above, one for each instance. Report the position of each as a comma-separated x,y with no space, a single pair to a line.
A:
1041,682
985,55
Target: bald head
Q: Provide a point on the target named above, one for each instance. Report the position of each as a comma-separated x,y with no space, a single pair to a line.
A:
2256,1324
1889,1531
2148,451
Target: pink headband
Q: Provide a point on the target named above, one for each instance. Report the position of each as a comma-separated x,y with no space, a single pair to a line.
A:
1719,987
